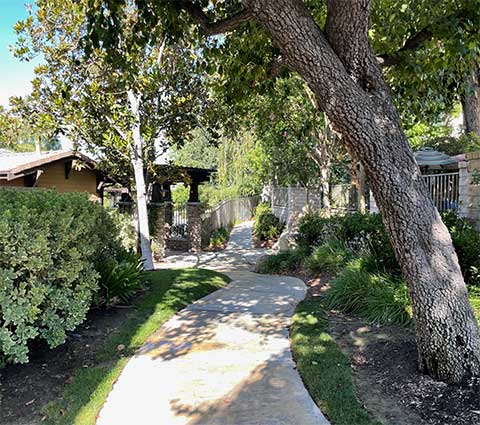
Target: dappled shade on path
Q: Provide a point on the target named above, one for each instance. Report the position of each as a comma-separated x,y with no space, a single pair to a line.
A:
223,360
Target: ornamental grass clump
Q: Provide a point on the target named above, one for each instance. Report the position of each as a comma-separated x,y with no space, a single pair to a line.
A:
378,297
50,246
329,257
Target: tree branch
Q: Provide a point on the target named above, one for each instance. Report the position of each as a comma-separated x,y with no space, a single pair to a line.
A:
412,43
120,132
218,27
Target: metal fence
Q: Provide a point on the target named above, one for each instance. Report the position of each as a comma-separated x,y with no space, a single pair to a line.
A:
444,190
179,228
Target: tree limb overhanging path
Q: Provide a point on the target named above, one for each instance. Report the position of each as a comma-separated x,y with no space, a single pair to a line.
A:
224,359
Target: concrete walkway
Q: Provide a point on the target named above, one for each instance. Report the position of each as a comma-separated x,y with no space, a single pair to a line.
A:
224,360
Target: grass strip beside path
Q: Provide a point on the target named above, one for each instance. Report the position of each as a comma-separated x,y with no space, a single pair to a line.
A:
474,297
325,370
169,291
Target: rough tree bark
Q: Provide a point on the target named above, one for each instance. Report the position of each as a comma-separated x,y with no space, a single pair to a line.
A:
471,103
140,188
341,70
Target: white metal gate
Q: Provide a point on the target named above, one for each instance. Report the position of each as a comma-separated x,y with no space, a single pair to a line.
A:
443,189
179,228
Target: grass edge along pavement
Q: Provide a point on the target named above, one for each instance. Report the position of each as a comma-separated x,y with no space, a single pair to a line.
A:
324,369
169,291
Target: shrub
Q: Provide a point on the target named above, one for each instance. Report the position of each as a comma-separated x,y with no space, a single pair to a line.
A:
50,244
358,232
219,238
329,257
466,241
266,226
126,229
283,262
378,297
312,230
119,280
366,232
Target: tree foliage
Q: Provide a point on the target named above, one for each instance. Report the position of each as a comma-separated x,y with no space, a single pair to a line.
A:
88,92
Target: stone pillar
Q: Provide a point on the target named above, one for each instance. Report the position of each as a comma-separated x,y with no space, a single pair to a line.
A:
473,159
463,195
194,220
156,214
168,217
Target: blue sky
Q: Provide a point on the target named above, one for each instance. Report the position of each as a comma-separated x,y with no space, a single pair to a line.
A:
15,76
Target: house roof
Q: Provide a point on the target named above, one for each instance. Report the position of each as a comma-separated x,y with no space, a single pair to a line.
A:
17,164
177,174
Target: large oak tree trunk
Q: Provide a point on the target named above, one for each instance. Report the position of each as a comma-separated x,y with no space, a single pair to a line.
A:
349,86
471,103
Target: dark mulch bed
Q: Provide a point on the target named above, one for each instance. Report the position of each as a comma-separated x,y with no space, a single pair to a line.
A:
384,359
384,362
25,389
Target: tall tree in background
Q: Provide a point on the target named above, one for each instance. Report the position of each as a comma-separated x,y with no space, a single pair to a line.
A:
335,58
123,111
25,130
289,125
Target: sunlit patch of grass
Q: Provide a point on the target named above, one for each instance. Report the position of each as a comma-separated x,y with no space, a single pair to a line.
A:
170,291
474,297
325,370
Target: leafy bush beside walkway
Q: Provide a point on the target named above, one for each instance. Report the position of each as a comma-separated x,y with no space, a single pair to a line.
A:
51,246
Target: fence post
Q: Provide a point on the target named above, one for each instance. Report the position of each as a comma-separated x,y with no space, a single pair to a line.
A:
463,198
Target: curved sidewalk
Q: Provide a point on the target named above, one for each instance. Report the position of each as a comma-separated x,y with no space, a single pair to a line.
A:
224,360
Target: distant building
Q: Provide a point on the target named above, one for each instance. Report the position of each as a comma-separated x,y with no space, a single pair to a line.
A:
65,171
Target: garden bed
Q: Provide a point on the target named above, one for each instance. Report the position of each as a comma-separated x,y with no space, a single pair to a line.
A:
69,384
26,388
383,363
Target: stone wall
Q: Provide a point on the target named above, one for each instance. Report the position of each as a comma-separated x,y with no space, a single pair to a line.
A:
178,244
472,205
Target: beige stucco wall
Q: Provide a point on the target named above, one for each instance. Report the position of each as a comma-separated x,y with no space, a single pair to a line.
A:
53,177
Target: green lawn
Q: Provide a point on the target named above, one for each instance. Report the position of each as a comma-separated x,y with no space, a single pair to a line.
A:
170,291
325,370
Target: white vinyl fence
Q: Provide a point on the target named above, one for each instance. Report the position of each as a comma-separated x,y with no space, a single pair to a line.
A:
444,190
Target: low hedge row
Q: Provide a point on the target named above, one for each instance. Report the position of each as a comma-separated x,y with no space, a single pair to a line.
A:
51,249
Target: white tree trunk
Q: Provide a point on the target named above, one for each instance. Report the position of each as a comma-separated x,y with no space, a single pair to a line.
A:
140,189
